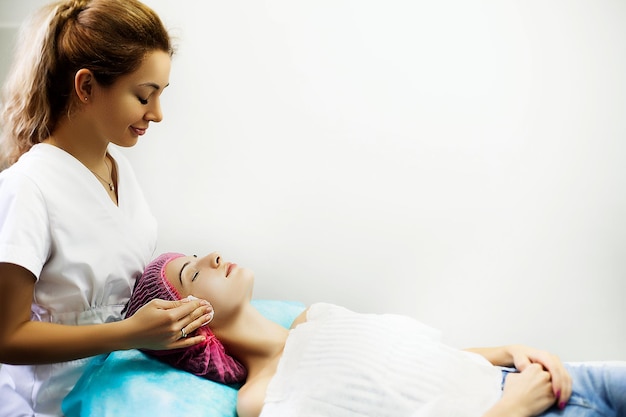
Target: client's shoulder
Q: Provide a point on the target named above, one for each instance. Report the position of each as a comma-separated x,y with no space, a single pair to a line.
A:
301,318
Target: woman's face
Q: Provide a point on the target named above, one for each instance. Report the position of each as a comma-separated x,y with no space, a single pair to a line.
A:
124,110
224,284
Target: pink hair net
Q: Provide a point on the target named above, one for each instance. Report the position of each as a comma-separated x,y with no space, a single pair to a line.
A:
207,359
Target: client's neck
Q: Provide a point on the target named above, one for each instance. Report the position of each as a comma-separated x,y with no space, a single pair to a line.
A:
252,339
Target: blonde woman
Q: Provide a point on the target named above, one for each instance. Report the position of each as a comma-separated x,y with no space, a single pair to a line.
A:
75,230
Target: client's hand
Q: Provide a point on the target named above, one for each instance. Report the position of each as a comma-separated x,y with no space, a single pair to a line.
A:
529,392
161,324
524,356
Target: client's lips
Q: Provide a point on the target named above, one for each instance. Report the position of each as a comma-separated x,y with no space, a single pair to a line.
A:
230,268
139,131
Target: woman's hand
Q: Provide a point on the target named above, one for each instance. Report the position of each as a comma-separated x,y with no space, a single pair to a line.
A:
529,392
525,394
161,325
524,356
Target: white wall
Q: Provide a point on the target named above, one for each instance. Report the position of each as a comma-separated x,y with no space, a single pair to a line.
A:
460,161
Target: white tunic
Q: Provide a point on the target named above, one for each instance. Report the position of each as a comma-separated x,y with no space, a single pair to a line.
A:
344,364
57,221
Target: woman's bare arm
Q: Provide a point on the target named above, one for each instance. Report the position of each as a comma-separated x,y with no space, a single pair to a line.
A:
23,341
499,356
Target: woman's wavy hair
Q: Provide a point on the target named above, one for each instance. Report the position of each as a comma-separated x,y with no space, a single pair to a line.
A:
109,37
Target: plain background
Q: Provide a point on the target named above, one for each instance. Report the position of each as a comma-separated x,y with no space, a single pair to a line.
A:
459,161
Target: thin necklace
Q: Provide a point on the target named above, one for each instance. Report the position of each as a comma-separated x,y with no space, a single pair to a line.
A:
109,183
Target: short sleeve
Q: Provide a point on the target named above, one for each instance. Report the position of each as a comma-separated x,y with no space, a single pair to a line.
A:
24,226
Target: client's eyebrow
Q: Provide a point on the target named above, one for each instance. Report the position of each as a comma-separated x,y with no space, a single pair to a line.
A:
180,274
153,85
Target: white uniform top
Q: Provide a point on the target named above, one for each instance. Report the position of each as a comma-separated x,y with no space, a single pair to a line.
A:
57,221
344,364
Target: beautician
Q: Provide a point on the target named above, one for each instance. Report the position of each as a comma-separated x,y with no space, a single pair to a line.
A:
75,230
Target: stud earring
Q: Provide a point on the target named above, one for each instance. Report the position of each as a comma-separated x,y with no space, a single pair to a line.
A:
86,98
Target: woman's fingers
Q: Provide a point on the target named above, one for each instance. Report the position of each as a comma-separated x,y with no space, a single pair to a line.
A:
561,380
199,317
192,314
186,342
180,308
561,384
163,324
194,325
185,309
530,390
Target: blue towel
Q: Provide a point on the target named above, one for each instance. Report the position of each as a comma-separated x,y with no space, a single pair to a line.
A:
130,383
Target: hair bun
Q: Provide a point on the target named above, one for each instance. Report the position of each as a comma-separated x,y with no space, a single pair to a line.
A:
71,9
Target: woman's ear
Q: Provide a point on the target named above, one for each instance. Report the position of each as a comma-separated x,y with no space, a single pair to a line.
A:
83,84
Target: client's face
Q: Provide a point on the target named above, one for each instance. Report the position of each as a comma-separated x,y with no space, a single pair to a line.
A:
224,284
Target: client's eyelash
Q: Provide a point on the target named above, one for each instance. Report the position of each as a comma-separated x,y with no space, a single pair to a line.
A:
195,275
143,101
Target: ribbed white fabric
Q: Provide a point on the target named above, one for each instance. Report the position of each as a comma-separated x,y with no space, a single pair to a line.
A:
344,364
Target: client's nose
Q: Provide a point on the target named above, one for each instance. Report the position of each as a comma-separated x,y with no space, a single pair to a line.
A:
214,259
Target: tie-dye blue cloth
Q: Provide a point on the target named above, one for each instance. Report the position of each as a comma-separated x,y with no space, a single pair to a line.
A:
130,383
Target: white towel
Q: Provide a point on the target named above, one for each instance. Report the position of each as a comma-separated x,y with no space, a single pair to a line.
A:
345,364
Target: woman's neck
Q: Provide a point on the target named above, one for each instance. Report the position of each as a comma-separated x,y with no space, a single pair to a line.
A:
76,138
253,339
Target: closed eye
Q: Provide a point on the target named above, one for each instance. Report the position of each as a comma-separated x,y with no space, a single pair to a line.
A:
195,275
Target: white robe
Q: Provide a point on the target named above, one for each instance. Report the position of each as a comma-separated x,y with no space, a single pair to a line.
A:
345,364
57,221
